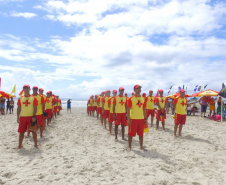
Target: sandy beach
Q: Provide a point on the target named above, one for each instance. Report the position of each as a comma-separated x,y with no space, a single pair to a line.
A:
78,150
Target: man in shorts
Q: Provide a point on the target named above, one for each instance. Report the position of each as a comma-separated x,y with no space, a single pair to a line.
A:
94,108
161,110
26,113
150,102
40,109
69,105
119,111
105,108
11,106
110,105
179,104
136,114
204,104
49,106
45,114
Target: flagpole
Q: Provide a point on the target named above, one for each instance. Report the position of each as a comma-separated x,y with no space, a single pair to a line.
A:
221,109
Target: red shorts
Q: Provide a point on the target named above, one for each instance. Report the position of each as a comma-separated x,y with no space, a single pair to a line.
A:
158,115
180,119
55,109
150,112
121,119
89,108
94,108
40,120
111,118
25,122
106,114
100,111
49,111
136,127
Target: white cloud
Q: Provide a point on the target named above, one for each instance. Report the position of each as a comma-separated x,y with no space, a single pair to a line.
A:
26,15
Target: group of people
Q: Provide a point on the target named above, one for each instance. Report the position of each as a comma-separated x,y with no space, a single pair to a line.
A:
6,105
134,111
35,111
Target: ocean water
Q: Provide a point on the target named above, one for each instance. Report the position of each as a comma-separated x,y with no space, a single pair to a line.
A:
74,103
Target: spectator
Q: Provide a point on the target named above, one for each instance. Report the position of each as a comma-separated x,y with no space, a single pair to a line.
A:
11,106
212,106
189,109
203,103
7,105
194,109
69,105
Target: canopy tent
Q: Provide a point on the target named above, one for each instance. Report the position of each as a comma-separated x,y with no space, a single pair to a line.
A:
6,95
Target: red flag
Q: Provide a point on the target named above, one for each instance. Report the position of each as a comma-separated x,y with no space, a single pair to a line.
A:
157,94
21,92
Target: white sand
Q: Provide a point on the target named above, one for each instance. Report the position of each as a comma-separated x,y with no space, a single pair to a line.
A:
77,150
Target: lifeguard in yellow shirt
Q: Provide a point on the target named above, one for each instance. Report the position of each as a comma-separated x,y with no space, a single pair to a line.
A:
111,117
179,105
119,111
150,102
105,108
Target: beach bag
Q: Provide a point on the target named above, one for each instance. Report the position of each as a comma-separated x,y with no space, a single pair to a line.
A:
146,129
34,126
217,117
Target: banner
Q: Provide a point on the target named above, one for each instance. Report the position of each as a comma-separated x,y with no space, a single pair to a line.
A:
223,91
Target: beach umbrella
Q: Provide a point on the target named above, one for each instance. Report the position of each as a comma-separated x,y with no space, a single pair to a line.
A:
208,92
176,95
196,94
6,95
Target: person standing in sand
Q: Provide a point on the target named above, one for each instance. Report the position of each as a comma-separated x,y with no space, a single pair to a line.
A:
89,107
69,105
105,108
26,113
119,112
100,107
45,115
179,105
150,102
110,105
94,108
204,104
40,109
161,111
136,114
49,106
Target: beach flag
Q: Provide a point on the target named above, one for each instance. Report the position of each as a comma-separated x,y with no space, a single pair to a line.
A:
14,89
21,93
205,86
199,88
179,88
157,94
196,88
223,91
183,86
170,89
146,129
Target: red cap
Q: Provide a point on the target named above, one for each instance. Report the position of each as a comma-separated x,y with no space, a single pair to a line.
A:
35,87
41,89
144,94
121,88
95,96
133,93
136,86
26,86
182,90
160,90
125,93
48,92
102,92
108,91
114,91
150,91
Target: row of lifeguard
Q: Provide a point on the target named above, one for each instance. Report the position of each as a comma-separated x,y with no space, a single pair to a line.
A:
134,111
33,111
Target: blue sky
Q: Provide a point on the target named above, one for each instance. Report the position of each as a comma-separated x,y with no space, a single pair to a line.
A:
77,48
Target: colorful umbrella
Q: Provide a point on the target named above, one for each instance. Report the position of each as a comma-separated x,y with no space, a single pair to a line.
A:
6,95
208,92
176,95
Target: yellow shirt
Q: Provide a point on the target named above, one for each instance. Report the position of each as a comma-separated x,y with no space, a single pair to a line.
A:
49,102
150,102
110,102
137,106
162,101
94,102
27,105
105,101
180,105
40,102
120,103
89,103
